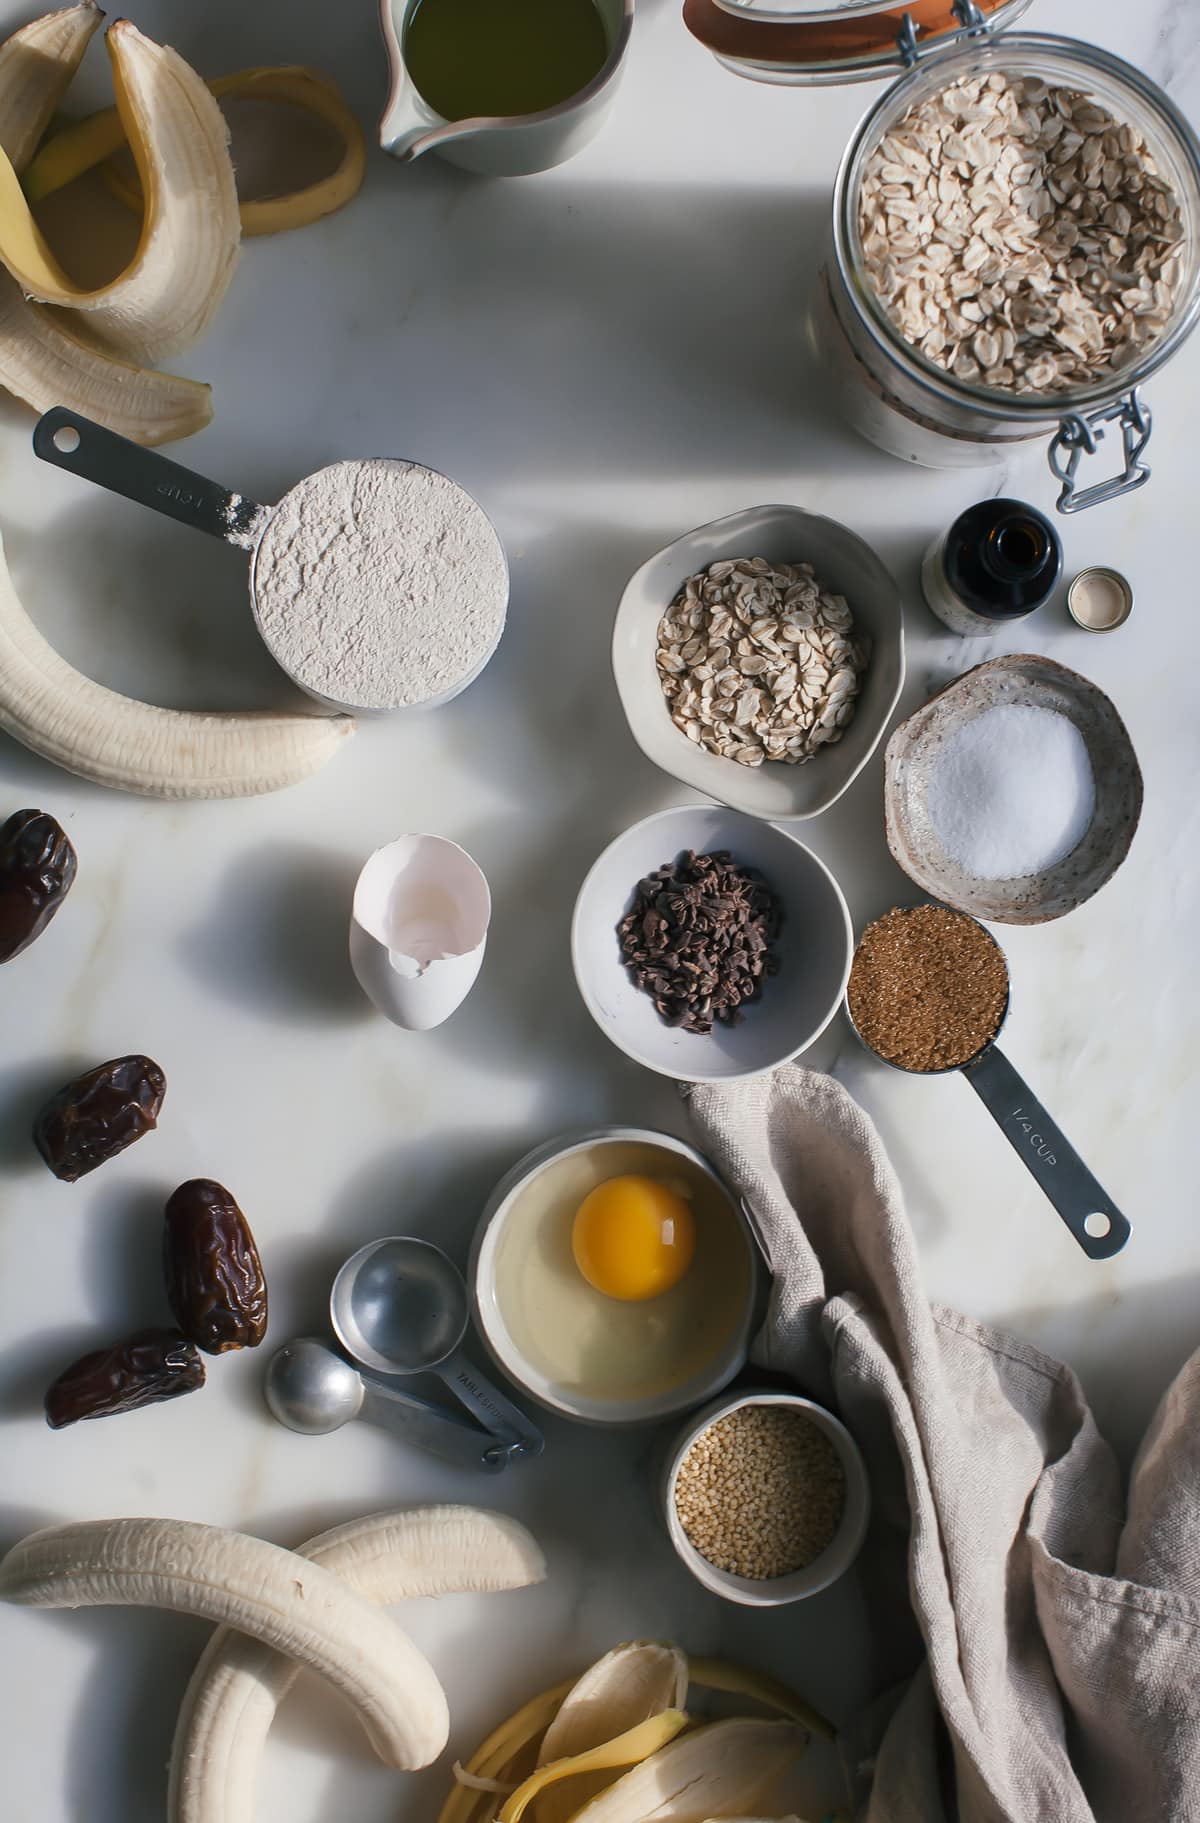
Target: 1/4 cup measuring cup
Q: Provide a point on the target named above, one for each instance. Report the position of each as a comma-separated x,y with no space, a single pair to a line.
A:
75,443
1083,1203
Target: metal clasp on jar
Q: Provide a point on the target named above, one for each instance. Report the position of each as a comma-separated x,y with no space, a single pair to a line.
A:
965,11
1078,436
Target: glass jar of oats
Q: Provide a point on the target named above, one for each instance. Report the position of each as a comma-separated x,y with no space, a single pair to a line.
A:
1015,243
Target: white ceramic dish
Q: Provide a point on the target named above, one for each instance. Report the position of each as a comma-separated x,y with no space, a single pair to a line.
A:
815,947
839,1554
496,1333
843,563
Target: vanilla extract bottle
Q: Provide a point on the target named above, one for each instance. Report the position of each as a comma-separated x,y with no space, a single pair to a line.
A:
999,561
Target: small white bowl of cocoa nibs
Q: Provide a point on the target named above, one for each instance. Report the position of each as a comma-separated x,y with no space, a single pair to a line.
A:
710,946
766,1498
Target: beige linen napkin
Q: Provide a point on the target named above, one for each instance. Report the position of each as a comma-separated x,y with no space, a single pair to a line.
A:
1047,1631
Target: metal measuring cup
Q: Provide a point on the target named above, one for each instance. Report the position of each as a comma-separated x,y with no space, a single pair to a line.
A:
400,1306
75,443
1082,1202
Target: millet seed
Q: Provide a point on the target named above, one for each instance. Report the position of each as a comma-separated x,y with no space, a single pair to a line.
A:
760,1493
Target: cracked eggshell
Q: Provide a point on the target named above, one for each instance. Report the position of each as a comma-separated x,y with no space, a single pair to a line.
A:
419,929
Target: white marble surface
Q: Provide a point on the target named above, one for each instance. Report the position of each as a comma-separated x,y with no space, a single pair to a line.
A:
606,356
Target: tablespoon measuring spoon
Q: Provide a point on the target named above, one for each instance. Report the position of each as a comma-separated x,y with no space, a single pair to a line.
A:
399,1306
1084,1205
312,1389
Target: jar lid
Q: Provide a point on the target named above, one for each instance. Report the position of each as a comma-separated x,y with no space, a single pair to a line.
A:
829,40
1100,600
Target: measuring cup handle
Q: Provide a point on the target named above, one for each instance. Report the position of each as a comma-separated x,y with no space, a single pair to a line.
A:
1083,1204
68,441
490,1406
440,1433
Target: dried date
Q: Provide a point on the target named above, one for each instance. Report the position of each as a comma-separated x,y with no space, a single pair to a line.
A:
37,871
94,1117
215,1283
152,1365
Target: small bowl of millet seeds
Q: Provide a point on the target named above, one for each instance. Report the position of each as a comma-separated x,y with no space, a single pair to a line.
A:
766,1498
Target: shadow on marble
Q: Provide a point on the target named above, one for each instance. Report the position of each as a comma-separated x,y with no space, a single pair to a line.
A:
120,1257
275,936
29,1364
24,1087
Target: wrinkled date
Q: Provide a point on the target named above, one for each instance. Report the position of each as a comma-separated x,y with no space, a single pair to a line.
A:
37,870
154,1364
97,1115
215,1283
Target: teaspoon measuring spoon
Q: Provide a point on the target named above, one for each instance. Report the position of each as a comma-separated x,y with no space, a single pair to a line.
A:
312,1389
1083,1203
399,1306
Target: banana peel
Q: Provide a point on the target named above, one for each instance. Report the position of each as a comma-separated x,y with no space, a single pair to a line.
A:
740,1680
723,1769
517,1735
95,350
95,141
628,1749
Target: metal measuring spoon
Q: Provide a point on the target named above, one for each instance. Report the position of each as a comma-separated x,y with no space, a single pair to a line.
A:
1082,1202
312,1389
400,1306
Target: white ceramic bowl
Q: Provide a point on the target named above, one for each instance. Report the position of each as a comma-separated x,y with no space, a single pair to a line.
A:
815,947
843,563
838,1555
498,1339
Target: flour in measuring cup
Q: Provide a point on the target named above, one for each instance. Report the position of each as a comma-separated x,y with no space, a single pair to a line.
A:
380,584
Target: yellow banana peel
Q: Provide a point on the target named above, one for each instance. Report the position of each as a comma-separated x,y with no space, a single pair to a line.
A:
739,1680
94,141
628,1749
493,1757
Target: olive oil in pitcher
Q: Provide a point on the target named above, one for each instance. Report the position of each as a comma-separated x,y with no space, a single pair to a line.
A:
503,57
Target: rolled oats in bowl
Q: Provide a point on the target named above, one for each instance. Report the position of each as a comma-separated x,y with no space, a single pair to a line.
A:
758,661
1020,236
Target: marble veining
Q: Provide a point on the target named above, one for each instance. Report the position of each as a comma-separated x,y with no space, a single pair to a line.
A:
605,357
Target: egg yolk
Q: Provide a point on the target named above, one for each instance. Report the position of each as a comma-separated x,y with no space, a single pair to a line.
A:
633,1238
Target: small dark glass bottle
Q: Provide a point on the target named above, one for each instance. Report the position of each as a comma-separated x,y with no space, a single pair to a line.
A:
998,562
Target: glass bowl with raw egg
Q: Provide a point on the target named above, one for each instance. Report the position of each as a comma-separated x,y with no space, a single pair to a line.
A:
615,1278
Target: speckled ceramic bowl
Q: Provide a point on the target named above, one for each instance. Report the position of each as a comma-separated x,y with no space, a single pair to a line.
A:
913,751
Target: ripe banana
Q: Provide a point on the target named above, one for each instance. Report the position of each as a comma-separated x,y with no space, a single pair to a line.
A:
272,1594
185,258
236,1687
166,753
41,360
93,141
722,1769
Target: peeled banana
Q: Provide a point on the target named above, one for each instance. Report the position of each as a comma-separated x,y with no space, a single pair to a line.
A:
274,1595
166,753
238,1683
93,141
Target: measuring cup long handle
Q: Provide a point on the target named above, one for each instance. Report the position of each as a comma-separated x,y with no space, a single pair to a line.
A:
419,1423
1084,1205
490,1406
83,448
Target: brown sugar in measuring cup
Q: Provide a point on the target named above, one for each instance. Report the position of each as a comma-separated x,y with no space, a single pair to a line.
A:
929,993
